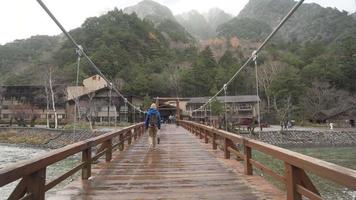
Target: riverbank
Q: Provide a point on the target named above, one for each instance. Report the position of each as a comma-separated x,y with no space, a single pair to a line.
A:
307,138
44,138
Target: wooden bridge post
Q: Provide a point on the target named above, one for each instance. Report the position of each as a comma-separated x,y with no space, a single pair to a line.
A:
206,140
36,184
135,133
227,143
201,133
86,158
215,146
108,154
130,135
248,155
122,142
292,179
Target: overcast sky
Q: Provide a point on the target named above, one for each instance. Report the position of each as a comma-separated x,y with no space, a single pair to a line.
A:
21,19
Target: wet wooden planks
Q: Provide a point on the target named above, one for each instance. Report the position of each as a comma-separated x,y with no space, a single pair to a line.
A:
180,168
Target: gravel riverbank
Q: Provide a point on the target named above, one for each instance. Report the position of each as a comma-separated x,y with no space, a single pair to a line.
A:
44,138
307,138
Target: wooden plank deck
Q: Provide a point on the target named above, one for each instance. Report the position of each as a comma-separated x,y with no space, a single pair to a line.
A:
180,168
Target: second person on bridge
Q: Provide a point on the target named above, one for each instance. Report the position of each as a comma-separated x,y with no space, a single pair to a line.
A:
152,124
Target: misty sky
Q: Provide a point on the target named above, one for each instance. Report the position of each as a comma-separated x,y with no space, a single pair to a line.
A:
20,19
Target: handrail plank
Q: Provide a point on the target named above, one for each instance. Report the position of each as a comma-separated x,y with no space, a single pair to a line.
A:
307,193
54,182
336,173
268,171
18,170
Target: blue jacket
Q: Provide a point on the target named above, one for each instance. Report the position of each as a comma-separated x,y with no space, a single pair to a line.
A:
150,112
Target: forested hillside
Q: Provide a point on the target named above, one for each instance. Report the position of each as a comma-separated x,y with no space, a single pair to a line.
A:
19,57
311,61
310,23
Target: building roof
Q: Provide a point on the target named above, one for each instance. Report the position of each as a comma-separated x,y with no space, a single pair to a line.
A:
229,99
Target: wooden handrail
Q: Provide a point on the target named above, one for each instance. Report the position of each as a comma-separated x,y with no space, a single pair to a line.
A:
26,169
295,178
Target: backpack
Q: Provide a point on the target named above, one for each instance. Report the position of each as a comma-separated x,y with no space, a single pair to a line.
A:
153,120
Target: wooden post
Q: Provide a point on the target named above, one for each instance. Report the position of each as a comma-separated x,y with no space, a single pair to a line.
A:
177,110
215,146
248,155
108,154
122,142
292,179
86,157
206,140
135,133
130,136
201,133
36,184
227,143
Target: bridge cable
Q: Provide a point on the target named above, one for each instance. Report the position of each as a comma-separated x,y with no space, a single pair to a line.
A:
110,105
225,107
257,92
109,83
76,100
268,38
210,114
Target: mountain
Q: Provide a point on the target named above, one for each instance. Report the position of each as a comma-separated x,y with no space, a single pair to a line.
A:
130,51
196,24
310,22
216,17
203,26
353,15
163,19
245,28
148,9
18,57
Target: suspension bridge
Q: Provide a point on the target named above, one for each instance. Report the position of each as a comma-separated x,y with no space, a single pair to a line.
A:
193,161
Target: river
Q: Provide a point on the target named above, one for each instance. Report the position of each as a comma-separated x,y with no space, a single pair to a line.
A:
11,154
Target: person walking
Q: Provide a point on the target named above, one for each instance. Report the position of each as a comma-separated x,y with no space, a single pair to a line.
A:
152,124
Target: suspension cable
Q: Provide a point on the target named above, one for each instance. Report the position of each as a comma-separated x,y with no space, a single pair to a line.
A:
257,93
225,88
268,38
76,100
109,83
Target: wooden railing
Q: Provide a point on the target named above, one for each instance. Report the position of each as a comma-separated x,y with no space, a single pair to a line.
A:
295,178
32,173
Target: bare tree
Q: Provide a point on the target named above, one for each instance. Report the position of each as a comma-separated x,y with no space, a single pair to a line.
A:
285,108
92,108
50,81
174,78
47,105
323,97
266,74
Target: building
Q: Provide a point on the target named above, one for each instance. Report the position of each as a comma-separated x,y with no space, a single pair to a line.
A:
28,104
240,110
342,117
98,103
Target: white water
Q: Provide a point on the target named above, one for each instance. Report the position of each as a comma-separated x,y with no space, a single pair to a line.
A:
10,154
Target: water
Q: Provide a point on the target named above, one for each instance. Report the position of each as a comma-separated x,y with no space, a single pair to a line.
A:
343,156
11,154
